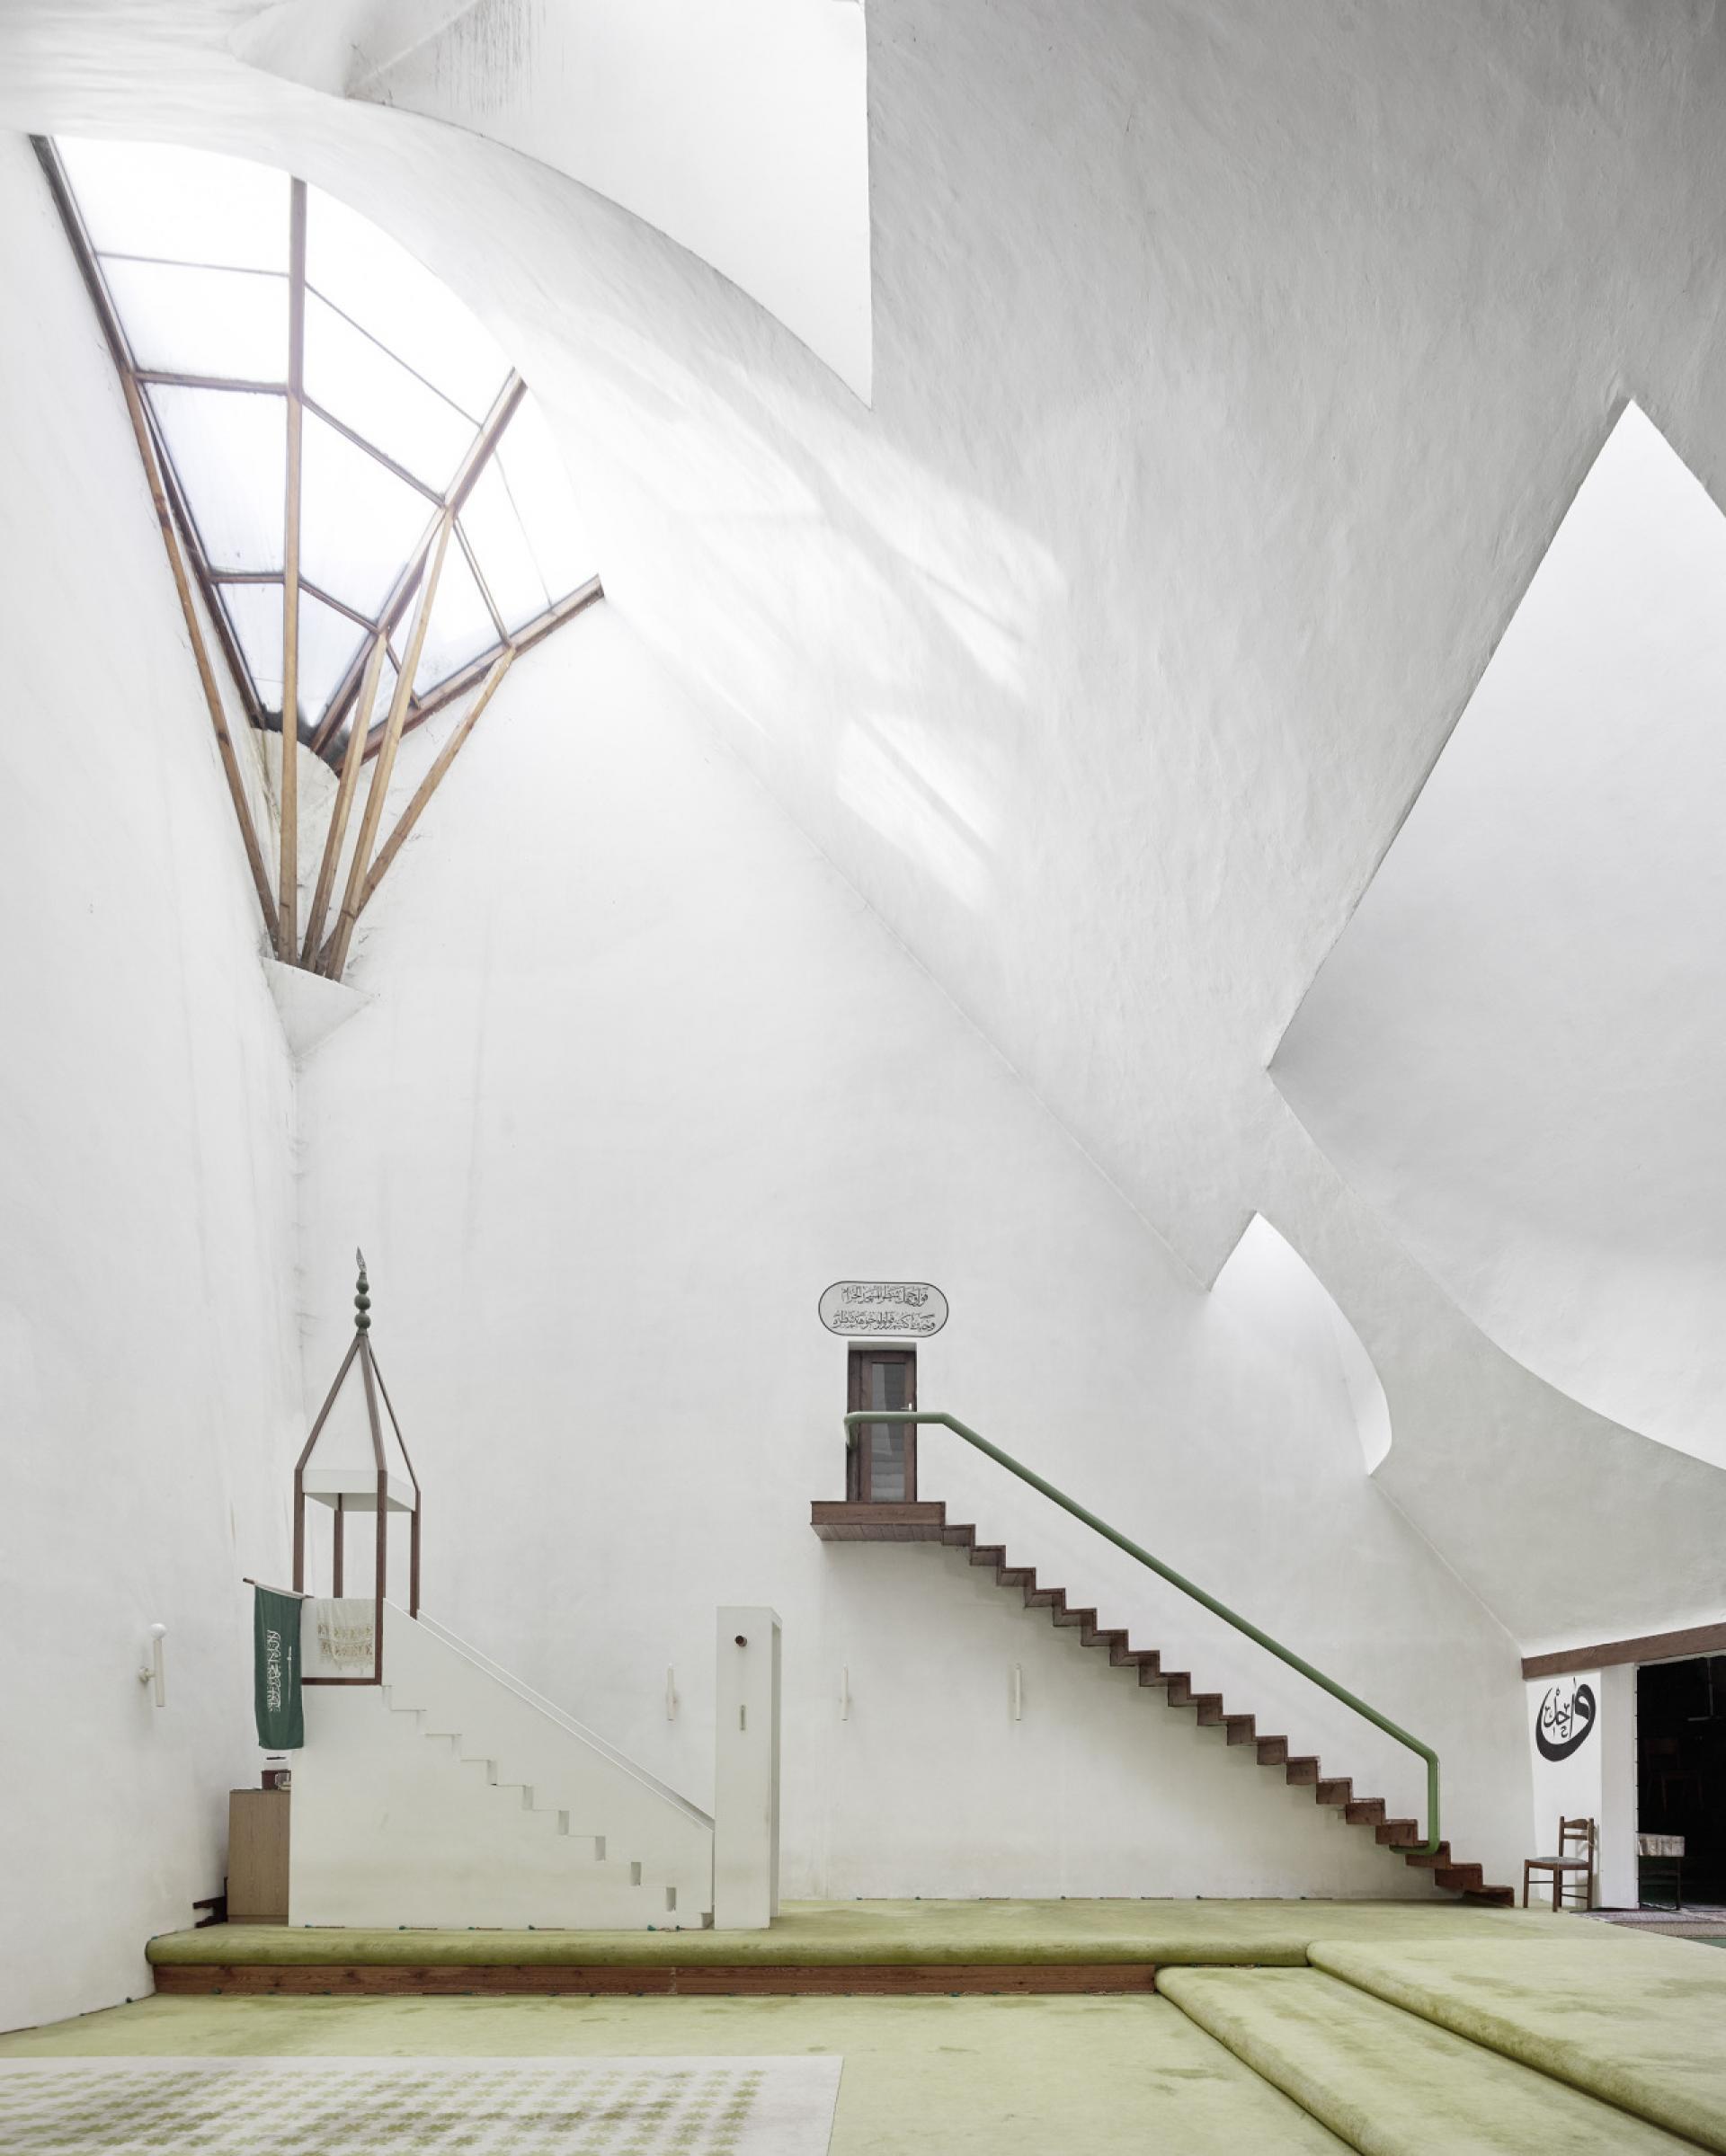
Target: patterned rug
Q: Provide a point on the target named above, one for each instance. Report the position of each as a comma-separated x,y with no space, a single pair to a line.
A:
547,2107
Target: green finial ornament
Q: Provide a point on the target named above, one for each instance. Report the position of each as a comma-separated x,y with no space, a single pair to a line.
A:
361,1298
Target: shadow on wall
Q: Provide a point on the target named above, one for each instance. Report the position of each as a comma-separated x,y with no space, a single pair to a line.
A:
1516,1050
1269,1280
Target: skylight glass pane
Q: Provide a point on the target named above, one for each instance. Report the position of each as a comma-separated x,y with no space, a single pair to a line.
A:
462,624
211,322
533,471
179,205
365,273
327,641
501,548
230,448
375,395
254,613
359,523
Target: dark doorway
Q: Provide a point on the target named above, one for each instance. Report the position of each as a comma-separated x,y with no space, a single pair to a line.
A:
1681,1766
882,1462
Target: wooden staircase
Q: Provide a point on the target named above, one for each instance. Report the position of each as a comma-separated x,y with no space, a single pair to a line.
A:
928,1522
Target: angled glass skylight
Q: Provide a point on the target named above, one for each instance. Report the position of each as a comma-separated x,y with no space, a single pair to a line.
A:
257,315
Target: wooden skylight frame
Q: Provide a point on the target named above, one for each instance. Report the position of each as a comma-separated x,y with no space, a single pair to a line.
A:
334,734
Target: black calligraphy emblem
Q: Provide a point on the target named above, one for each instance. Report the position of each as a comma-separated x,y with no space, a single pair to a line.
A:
1566,1717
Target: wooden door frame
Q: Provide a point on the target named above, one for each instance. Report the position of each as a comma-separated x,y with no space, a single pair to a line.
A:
858,1484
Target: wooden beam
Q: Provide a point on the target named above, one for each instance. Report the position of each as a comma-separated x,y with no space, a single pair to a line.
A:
524,639
335,955
199,652
429,785
1649,1646
287,898
703,1979
479,451
342,806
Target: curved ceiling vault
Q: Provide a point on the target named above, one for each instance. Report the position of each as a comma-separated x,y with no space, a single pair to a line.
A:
1517,1051
742,131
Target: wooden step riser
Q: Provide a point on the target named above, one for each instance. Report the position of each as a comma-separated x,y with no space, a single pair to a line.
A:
1300,1770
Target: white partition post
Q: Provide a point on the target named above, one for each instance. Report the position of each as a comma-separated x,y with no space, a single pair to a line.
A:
746,1771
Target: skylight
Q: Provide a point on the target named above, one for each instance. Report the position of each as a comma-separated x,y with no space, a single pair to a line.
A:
321,403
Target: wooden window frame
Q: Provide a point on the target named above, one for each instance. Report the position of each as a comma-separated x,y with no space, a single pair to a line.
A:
857,1470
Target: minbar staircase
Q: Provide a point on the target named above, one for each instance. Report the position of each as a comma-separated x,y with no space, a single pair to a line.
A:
928,1522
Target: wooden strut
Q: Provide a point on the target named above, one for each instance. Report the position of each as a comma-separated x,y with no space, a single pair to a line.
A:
524,639
342,807
429,785
472,464
288,902
206,674
335,953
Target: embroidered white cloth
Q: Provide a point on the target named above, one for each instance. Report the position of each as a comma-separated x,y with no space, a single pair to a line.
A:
323,2106
345,1631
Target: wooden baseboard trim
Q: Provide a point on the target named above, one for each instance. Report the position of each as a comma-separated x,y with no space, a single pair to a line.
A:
1650,1647
688,1980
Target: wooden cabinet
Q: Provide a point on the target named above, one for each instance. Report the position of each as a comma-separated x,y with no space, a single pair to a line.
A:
257,1856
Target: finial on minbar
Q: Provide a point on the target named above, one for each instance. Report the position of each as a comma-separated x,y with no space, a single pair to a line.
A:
361,1297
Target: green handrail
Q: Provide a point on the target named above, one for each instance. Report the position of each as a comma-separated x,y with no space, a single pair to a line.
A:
1068,1504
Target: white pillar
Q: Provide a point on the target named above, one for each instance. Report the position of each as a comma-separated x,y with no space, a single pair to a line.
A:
746,1771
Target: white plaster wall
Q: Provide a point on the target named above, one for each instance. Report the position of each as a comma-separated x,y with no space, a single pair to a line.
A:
642,1076
1234,365
742,132
148,1342
1597,1781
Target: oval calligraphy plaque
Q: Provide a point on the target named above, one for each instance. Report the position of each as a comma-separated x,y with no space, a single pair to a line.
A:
903,1309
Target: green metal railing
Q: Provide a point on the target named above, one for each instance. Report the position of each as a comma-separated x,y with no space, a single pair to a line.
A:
1167,1572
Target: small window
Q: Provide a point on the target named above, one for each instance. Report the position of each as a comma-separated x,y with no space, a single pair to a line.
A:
883,1459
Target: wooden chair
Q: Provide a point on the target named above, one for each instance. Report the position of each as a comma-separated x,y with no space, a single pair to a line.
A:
1576,1846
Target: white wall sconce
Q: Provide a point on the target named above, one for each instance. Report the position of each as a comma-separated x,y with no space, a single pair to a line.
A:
1017,1692
671,1695
153,1672
845,1695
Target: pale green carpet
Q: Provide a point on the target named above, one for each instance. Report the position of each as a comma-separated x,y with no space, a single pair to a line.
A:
497,2106
922,2076
906,1931
1391,2085
1644,2025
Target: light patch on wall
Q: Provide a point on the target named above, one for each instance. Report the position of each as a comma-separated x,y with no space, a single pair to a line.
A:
882,785
1269,1276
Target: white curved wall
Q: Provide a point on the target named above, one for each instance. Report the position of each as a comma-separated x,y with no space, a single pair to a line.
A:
1211,447
642,1078
1517,1051
740,130
149,1348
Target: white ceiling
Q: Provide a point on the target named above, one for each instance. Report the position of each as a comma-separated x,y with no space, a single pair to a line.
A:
1234,364
742,130
1517,1050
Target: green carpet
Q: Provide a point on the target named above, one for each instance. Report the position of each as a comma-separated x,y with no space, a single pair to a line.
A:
829,1932
1391,2085
1644,2025
922,2076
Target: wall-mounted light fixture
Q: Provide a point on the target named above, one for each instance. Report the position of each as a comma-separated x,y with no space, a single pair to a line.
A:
152,1672
845,1695
1019,1693
671,1695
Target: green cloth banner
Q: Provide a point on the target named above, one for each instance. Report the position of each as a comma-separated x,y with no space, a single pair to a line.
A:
275,1653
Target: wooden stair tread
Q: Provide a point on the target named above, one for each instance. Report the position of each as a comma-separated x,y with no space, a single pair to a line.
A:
928,1522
